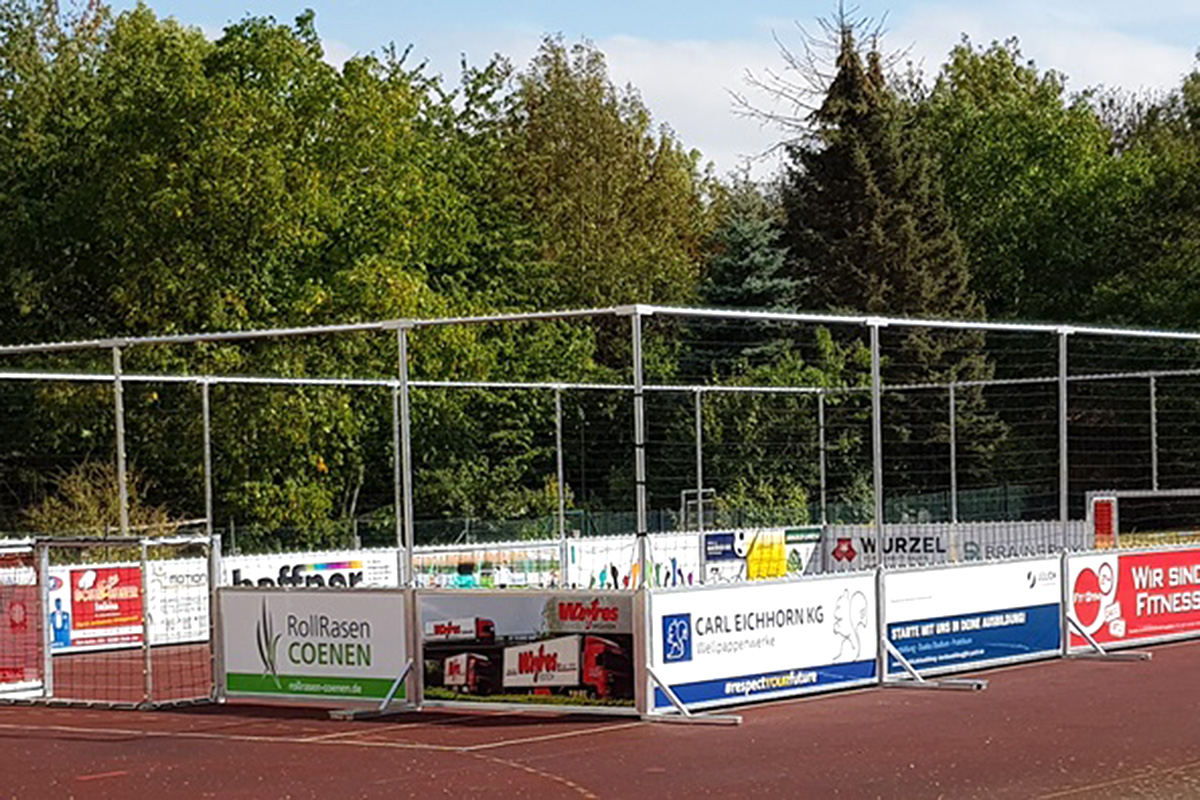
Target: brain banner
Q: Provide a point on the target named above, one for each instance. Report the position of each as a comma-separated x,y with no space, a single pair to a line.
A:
1135,598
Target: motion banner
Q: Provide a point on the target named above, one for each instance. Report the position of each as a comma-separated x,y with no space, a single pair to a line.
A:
314,645
726,645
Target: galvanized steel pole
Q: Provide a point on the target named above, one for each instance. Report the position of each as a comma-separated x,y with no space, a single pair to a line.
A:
206,410
1153,433
877,436
407,579
639,444
699,405
119,409
1063,466
821,448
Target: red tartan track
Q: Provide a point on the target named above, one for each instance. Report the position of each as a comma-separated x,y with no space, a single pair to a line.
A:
1057,729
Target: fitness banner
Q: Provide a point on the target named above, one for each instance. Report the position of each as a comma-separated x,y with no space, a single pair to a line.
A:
1135,597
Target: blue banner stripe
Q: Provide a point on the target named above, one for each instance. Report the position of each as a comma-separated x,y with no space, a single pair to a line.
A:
767,684
972,639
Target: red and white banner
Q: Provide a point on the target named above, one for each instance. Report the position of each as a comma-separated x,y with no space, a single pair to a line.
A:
1135,597
106,606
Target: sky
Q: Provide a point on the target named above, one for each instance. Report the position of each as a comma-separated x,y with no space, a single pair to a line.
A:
688,59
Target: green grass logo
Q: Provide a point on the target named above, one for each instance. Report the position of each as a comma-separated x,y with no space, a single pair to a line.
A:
268,642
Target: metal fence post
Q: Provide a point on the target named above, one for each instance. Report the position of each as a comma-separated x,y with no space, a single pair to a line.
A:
877,436
953,475
397,473
119,409
1063,466
639,442
206,411
699,408
406,579
147,659
42,550
1153,434
821,447
560,471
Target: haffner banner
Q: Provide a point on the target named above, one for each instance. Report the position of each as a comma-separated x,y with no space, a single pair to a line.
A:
728,645
965,617
1136,597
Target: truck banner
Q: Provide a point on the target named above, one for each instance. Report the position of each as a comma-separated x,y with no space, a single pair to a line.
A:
965,617
1135,598
315,646
729,645
562,648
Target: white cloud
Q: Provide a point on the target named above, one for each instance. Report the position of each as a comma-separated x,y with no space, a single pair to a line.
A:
1084,46
337,53
688,85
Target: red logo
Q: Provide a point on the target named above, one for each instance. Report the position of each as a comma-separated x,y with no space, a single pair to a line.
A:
537,663
844,551
446,629
588,614
1086,597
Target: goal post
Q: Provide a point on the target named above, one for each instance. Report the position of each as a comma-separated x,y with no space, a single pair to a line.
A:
1143,517
22,637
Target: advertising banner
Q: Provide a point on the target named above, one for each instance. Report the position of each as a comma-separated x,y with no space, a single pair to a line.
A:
340,569
1135,597
559,648
914,544
177,595
611,562
760,554
95,607
966,617
507,564
20,635
729,645
317,646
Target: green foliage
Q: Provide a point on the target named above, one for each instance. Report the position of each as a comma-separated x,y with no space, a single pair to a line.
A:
1030,180
620,206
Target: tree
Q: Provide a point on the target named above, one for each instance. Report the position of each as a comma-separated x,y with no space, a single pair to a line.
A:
868,231
1031,184
620,207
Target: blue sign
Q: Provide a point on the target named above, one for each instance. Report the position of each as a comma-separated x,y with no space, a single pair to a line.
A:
971,639
677,638
719,547
765,684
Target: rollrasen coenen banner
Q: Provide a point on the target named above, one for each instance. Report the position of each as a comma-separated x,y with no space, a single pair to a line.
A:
326,645
965,617
729,645
1136,597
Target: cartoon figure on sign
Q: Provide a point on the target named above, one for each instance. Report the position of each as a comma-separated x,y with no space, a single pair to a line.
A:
849,617
60,623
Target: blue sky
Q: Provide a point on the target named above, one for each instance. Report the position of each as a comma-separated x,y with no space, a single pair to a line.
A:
686,58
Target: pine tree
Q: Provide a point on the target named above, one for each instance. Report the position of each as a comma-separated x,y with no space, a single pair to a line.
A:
868,232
